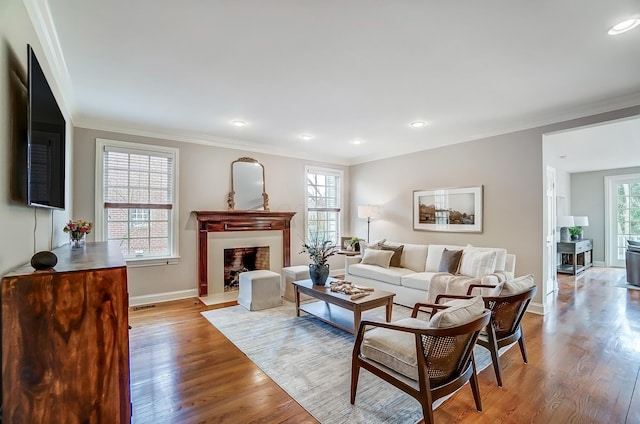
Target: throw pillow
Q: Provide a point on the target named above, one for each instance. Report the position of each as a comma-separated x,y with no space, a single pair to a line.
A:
397,254
518,285
373,245
450,261
380,258
633,242
476,264
459,311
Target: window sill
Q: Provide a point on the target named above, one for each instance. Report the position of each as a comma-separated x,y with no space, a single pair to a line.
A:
140,262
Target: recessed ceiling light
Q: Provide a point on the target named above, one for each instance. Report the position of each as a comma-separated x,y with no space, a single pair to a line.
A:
357,141
624,26
239,123
306,137
418,124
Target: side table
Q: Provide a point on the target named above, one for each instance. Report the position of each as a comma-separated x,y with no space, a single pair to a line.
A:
575,256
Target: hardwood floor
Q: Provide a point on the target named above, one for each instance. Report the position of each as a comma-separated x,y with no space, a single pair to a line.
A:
584,366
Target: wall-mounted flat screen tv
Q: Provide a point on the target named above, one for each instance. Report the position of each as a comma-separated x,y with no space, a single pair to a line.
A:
45,164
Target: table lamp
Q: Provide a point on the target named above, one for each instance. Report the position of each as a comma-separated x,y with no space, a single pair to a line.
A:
564,222
581,221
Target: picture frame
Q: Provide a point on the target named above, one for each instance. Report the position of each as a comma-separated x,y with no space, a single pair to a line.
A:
344,244
455,210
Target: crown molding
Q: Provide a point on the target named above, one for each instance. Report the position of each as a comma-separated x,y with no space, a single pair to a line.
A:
40,15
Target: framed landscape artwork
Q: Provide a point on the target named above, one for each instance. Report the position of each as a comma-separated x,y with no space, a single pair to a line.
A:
457,210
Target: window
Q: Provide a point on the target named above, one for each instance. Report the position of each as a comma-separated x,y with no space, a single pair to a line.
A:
323,203
136,199
623,199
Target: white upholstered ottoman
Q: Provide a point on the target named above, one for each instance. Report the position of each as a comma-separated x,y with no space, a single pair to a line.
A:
259,289
289,275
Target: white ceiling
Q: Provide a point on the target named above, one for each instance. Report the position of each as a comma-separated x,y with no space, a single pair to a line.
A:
340,70
610,145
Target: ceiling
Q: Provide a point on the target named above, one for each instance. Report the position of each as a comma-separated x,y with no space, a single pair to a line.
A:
339,70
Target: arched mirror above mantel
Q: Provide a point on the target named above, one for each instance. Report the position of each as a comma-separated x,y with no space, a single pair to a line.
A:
247,186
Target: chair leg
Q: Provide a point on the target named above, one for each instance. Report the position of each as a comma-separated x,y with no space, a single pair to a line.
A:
523,348
427,412
355,372
474,387
495,358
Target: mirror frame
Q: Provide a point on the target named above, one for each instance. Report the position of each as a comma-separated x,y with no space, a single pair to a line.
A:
231,203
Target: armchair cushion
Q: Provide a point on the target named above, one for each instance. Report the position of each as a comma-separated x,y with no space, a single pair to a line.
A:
394,349
518,285
459,311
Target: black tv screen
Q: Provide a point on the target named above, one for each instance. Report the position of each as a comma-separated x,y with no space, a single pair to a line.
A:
46,142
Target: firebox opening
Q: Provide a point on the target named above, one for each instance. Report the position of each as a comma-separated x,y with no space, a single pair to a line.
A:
241,259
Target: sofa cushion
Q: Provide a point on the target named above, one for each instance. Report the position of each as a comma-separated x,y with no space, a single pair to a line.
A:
450,261
377,257
418,281
394,349
501,255
373,272
413,255
518,285
459,311
396,259
435,256
477,263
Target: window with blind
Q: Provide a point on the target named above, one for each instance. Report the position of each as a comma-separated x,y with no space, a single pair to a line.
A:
135,191
323,204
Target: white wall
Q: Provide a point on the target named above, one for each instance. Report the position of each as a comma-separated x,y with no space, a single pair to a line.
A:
204,183
25,230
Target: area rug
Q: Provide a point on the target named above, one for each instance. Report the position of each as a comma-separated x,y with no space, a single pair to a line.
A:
311,361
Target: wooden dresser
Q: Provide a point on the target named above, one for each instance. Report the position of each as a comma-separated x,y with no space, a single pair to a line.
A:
65,339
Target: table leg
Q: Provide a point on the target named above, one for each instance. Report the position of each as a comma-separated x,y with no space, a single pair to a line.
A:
357,316
297,302
389,309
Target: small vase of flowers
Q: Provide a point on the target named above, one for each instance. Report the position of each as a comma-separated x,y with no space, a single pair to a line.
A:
77,230
319,252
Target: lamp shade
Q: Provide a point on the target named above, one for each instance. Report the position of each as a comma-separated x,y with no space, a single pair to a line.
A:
368,211
581,221
565,221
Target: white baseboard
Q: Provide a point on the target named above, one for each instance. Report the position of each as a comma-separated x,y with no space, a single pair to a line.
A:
162,297
599,263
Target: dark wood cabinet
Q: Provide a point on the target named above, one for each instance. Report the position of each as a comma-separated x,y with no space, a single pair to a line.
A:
65,339
575,256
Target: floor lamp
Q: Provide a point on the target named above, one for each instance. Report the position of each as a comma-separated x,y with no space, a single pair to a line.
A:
368,211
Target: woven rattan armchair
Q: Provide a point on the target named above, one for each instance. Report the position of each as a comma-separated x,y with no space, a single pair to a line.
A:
505,328
444,359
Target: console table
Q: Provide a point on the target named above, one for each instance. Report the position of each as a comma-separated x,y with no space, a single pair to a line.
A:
575,256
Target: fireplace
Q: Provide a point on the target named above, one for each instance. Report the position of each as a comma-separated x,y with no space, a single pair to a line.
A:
241,259
217,226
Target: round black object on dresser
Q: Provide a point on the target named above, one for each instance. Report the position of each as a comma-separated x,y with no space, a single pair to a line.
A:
44,260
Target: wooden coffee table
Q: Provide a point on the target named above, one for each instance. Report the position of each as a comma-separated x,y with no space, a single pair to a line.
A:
338,309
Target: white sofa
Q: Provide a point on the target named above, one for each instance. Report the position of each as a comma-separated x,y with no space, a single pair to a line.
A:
418,279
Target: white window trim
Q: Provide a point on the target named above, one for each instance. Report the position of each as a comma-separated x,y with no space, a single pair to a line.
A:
174,257
324,170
